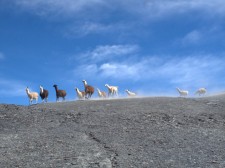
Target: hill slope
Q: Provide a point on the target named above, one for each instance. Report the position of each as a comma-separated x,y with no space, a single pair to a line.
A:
139,132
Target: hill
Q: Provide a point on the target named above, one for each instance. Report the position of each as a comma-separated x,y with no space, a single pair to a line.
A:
137,132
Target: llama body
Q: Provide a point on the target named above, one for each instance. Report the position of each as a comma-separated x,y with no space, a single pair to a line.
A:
32,96
59,93
89,90
130,94
112,90
80,94
101,94
182,93
201,91
43,94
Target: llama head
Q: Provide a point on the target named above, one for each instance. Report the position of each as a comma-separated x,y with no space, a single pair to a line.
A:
84,81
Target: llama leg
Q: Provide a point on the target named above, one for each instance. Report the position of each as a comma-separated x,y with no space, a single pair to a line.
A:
86,95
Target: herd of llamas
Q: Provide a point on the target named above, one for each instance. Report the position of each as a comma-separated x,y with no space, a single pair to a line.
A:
89,90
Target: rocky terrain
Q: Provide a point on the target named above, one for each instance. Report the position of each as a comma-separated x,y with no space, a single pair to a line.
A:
124,133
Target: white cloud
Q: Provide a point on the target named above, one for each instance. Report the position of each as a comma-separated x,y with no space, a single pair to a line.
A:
109,52
119,71
189,71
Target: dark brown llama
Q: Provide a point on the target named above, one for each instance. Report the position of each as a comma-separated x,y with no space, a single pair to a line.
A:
59,93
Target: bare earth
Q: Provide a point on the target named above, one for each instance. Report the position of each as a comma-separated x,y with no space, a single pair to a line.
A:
138,132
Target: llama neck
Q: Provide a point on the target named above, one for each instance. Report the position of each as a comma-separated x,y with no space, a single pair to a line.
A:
28,92
56,88
41,89
85,83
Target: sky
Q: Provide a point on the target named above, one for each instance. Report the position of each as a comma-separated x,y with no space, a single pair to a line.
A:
147,46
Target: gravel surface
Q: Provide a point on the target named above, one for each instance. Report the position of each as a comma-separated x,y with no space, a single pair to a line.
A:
125,133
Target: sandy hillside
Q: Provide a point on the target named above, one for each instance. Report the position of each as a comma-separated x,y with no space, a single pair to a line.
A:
139,132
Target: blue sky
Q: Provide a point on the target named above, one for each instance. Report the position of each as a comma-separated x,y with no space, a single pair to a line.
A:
150,46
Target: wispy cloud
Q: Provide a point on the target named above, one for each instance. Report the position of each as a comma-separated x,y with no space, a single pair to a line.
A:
84,28
109,53
90,28
166,8
119,71
91,17
53,8
2,56
210,36
188,71
193,37
86,70
11,88
193,70
152,7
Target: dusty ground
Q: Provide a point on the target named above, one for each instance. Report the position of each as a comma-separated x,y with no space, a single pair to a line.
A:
140,132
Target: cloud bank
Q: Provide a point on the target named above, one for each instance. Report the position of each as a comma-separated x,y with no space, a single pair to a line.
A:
82,18
155,8
186,71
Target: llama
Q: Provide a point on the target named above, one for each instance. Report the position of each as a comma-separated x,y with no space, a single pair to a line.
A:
80,94
112,90
89,90
201,91
101,94
130,94
32,96
43,94
182,92
59,93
